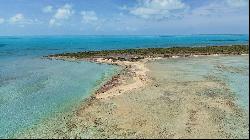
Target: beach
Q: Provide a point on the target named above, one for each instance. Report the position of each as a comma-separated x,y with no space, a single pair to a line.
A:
160,98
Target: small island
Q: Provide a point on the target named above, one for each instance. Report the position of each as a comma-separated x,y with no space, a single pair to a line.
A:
160,93
137,54
132,62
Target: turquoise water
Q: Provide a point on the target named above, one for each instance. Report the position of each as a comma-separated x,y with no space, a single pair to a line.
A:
32,88
236,76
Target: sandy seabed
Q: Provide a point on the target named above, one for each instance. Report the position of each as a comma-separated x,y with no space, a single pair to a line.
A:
157,98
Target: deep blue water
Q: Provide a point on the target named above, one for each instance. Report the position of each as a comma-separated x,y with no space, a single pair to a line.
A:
32,88
42,45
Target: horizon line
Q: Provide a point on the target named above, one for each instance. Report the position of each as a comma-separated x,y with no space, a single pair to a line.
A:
129,34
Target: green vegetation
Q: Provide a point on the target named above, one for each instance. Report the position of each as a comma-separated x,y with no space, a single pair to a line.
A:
136,54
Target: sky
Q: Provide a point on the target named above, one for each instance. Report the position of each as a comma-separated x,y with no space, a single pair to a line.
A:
123,17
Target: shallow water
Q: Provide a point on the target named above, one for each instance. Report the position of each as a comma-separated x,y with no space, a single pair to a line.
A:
33,88
31,92
231,70
235,73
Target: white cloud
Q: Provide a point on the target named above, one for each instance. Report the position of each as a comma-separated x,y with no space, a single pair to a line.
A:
220,8
62,13
52,21
90,19
237,3
158,9
2,20
47,9
206,10
18,18
89,16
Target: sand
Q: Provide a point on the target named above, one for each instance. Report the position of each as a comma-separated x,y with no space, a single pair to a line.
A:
155,98
139,77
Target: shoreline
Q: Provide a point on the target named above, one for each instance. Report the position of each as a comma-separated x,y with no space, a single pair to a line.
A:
137,70
115,86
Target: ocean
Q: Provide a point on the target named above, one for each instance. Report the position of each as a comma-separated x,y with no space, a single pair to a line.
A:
33,88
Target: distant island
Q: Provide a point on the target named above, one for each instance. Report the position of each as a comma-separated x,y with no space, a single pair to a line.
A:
137,54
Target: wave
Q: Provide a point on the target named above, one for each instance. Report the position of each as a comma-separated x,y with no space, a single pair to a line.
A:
222,40
2,45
